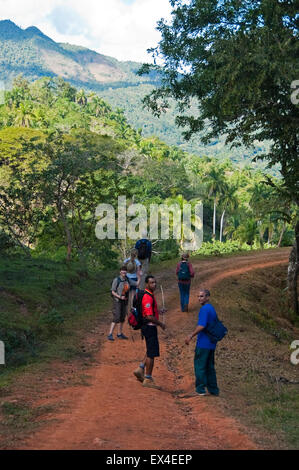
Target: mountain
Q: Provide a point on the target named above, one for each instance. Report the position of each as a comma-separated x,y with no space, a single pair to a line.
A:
36,55
32,53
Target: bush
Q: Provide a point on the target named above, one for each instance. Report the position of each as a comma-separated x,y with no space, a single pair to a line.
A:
217,248
6,242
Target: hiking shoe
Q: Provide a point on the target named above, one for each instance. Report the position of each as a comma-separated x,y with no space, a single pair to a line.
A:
139,374
110,337
149,383
122,336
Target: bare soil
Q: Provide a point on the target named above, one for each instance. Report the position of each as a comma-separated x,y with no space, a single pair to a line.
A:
101,405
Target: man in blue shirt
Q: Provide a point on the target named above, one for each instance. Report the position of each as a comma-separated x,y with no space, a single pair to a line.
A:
204,357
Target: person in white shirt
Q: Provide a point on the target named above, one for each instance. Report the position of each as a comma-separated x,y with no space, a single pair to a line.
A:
133,266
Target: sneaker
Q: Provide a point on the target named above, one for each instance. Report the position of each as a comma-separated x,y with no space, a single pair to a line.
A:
149,383
193,394
139,374
110,337
122,336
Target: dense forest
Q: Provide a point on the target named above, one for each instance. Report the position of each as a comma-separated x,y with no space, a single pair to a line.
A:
35,55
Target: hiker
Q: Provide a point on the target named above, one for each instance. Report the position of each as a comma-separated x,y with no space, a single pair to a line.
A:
184,272
120,293
133,266
144,247
204,357
149,332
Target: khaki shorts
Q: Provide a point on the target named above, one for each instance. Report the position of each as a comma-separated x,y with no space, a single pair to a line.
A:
119,311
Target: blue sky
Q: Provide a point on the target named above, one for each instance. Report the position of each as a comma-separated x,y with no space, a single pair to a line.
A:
123,29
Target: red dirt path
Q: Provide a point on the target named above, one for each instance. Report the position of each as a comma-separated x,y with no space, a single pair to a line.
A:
102,415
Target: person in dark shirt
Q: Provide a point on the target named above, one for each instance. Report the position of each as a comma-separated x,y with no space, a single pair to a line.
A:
204,357
184,273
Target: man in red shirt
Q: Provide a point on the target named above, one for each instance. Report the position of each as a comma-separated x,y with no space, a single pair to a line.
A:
150,314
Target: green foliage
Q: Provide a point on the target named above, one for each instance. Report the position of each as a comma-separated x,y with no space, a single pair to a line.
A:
217,248
238,61
116,82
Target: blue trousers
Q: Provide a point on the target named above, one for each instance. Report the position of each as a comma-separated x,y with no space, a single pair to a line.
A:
204,368
184,294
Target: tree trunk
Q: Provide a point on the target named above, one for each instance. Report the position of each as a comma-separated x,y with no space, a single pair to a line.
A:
67,233
221,225
293,269
281,234
214,221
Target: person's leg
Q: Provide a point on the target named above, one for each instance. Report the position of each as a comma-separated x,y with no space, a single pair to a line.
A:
187,295
139,372
152,351
123,312
200,368
112,329
115,319
211,374
131,297
186,290
149,366
181,289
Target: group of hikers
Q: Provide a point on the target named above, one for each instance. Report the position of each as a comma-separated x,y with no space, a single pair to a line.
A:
133,290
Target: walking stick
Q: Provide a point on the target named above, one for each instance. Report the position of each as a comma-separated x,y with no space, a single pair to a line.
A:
163,302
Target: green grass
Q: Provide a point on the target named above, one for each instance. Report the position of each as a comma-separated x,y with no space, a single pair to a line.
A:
259,383
44,304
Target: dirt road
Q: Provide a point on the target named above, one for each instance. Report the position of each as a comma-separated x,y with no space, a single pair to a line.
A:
115,407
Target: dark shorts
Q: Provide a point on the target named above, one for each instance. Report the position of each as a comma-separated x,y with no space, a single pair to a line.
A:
151,338
119,311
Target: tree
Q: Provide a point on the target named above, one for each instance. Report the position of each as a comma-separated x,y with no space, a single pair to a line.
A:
237,59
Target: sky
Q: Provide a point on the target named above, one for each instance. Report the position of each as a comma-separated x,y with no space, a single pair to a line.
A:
123,29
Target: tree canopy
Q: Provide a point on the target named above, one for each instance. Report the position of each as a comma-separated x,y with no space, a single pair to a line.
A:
238,59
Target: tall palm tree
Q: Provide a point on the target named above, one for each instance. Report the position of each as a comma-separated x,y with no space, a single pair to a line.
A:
24,115
214,177
81,97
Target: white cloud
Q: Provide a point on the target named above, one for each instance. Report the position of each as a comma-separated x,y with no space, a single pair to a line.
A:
111,27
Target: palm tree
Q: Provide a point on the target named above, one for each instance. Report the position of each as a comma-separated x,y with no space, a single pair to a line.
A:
24,115
216,187
81,97
229,202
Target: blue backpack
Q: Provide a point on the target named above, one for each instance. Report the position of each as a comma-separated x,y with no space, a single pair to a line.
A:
215,330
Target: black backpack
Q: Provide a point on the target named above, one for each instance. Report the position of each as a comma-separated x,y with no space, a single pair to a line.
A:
136,319
142,249
184,272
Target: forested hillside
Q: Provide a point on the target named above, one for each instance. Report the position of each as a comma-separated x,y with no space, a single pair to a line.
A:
64,151
35,55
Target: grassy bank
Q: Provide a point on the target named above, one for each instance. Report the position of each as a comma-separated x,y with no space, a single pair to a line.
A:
44,306
258,380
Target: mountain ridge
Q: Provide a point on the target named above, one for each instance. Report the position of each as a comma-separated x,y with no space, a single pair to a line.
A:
31,53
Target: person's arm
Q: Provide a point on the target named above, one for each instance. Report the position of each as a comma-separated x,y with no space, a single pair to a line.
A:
152,319
197,330
149,315
191,270
117,296
177,269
